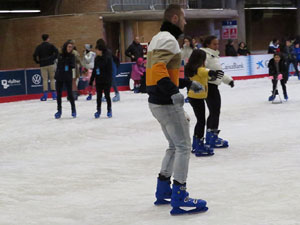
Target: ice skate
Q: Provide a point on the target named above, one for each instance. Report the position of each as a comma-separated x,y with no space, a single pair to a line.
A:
203,149
45,96
58,114
53,93
218,143
163,192
180,199
109,113
89,97
116,98
97,114
74,114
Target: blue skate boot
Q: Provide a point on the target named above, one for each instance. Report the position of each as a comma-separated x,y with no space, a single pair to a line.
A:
89,97
195,144
74,114
187,100
219,142
109,113
285,96
203,149
53,93
180,198
97,114
163,191
45,96
116,98
57,115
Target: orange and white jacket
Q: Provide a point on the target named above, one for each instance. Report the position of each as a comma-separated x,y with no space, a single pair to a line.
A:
162,71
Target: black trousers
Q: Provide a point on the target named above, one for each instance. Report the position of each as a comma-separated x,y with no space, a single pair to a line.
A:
282,82
106,88
199,110
59,90
213,102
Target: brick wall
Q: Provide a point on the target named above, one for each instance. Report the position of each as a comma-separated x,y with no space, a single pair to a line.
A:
82,6
19,37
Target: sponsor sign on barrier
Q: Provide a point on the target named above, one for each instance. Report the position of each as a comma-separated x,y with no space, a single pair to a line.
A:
34,81
123,74
259,64
12,83
235,66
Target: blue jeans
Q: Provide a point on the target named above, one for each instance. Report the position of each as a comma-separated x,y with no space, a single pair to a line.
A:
175,127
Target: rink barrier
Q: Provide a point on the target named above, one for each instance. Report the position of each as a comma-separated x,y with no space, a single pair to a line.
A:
26,84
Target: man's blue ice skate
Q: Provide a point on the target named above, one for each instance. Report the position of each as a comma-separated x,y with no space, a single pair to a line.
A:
109,113
74,114
203,149
195,144
97,114
53,93
57,115
45,96
163,192
89,97
180,198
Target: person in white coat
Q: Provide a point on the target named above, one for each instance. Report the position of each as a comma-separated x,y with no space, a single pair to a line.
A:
88,62
213,100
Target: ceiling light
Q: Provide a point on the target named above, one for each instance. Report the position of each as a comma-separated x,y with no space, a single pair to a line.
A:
21,11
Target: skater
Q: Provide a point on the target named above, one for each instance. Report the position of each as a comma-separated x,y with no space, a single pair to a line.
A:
195,69
166,105
278,72
64,75
88,63
115,67
135,50
136,73
229,49
213,100
45,54
102,73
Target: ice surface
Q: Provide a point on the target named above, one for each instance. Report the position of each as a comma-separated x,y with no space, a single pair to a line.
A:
85,171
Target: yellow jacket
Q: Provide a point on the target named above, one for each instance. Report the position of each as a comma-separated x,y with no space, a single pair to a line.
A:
202,78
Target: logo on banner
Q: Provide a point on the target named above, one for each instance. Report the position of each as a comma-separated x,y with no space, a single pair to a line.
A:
36,79
4,84
8,83
260,64
233,66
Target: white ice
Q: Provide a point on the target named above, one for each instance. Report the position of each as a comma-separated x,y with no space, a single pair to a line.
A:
85,171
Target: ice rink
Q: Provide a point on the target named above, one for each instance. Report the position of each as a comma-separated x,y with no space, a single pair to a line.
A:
85,171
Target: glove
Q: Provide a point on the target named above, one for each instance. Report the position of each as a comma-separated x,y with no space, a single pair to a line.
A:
271,77
231,84
220,74
279,77
178,99
196,86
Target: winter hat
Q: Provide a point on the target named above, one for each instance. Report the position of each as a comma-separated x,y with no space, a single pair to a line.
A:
88,47
140,61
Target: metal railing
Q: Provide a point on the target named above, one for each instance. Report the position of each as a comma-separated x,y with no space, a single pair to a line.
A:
131,5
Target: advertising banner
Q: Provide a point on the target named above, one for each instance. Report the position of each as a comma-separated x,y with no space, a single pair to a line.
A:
12,83
235,66
34,81
259,64
123,75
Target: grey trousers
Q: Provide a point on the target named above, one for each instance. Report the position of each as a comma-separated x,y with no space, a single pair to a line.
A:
176,129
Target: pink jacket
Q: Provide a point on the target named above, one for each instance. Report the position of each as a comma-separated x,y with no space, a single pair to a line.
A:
137,71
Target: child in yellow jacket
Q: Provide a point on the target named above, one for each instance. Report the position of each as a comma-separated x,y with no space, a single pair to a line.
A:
196,71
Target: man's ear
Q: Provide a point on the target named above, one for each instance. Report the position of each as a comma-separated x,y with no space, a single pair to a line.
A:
175,19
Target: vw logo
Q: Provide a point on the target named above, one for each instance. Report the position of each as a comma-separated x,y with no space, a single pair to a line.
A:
36,79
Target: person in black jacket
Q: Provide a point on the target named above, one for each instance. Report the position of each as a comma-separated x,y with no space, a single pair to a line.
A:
230,50
243,50
102,72
45,55
64,75
278,71
135,50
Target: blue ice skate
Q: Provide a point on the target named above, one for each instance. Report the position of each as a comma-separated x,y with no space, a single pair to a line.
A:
203,149
97,114
53,93
180,198
109,113
116,98
89,97
57,115
45,96
195,144
271,98
187,100
163,192
74,114
285,96
218,142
